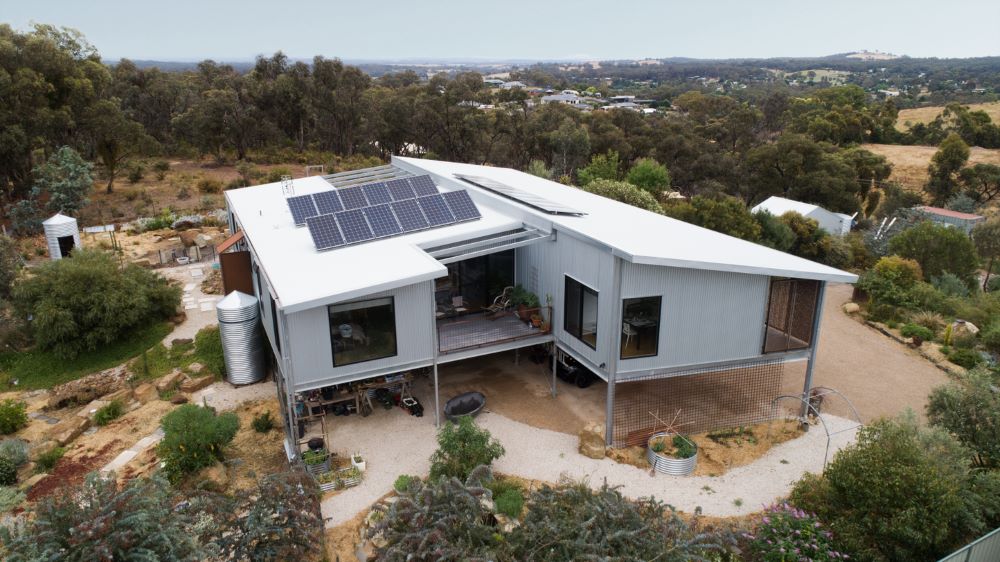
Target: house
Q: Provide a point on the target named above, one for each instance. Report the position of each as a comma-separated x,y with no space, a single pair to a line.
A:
571,100
833,223
621,99
954,219
513,85
408,276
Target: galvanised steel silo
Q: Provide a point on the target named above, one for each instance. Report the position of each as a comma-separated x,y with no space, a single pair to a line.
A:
242,338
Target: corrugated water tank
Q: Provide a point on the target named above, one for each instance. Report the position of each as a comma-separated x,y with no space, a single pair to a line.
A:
62,235
242,338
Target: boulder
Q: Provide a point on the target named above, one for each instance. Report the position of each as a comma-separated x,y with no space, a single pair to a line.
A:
68,430
592,441
41,448
852,308
90,410
197,383
170,380
124,396
146,392
195,368
83,390
30,482
213,478
181,341
202,240
962,328
178,399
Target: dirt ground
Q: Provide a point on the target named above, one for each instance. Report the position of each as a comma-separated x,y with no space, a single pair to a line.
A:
252,455
879,375
519,392
909,163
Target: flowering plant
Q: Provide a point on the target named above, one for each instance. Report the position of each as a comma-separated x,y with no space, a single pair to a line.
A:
788,534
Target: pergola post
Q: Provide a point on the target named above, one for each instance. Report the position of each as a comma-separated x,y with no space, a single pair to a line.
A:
555,365
817,318
437,396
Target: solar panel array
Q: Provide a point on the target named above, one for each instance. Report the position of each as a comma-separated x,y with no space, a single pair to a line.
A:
524,197
379,210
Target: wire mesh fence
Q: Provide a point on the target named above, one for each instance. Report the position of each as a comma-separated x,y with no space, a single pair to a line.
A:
469,331
701,400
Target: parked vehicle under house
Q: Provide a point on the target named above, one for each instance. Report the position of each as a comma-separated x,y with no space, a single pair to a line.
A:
628,293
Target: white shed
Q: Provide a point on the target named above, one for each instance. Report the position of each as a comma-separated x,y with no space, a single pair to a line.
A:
62,235
834,223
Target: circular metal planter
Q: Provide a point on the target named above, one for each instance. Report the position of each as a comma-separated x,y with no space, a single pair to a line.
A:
669,465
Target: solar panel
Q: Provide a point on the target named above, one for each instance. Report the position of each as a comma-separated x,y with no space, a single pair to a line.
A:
302,207
423,186
324,232
461,205
328,202
354,226
377,193
521,196
400,189
411,218
382,221
353,198
436,210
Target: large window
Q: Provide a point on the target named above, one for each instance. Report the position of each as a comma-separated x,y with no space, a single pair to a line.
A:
472,284
580,317
791,309
362,331
640,327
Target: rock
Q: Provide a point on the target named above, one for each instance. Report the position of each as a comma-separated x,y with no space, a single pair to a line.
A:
30,482
506,524
181,341
83,390
124,396
169,381
186,222
195,368
41,448
197,383
90,410
592,441
213,478
178,399
202,240
962,328
68,430
852,308
146,392
178,318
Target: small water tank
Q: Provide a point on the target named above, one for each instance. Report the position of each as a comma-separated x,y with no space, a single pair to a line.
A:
242,338
62,235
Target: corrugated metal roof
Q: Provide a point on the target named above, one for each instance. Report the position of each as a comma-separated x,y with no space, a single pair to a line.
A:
950,213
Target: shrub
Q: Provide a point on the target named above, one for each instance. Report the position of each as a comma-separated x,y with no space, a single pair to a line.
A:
938,249
193,439
930,320
208,350
99,521
649,175
209,185
262,423
10,498
901,492
183,193
915,331
991,337
968,358
274,175
117,301
10,265
624,192
109,413
8,472
461,448
48,460
684,448
787,533
161,167
136,172
403,482
13,416
509,502
14,449
573,522
950,285
970,410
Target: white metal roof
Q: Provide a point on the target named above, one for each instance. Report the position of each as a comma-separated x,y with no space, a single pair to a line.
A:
58,218
638,235
302,277
779,205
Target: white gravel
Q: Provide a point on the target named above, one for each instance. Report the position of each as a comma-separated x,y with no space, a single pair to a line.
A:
199,307
223,396
395,443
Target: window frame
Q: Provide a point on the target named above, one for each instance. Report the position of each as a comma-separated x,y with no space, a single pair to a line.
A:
659,320
395,330
790,309
584,289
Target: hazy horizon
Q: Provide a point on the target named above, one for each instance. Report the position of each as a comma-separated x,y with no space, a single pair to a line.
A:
452,31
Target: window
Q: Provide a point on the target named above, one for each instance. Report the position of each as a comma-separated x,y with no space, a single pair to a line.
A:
580,318
362,331
791,309
640,327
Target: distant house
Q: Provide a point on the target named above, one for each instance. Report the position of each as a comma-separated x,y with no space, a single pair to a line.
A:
495,82
513,85
621,99
954,219
889,93
834,223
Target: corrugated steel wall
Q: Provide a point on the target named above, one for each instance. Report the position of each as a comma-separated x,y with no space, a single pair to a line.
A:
263,292
706,316
542,269
312,350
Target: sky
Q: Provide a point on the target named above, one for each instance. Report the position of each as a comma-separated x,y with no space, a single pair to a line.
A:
186,30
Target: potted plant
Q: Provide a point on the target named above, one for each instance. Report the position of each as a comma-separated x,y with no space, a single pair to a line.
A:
672,453
317,462
525,301
358,462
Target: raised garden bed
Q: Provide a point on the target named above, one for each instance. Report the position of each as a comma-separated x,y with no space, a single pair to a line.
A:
672,454
317,462
339,479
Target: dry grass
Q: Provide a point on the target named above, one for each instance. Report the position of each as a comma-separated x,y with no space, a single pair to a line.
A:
909,163
909,117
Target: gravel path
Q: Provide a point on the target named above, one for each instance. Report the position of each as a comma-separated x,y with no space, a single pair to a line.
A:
397,444
199,307
223,396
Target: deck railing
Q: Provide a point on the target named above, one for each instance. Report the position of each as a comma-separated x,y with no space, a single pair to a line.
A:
485,329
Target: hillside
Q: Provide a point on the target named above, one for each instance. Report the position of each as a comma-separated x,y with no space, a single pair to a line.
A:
909,117
909,163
